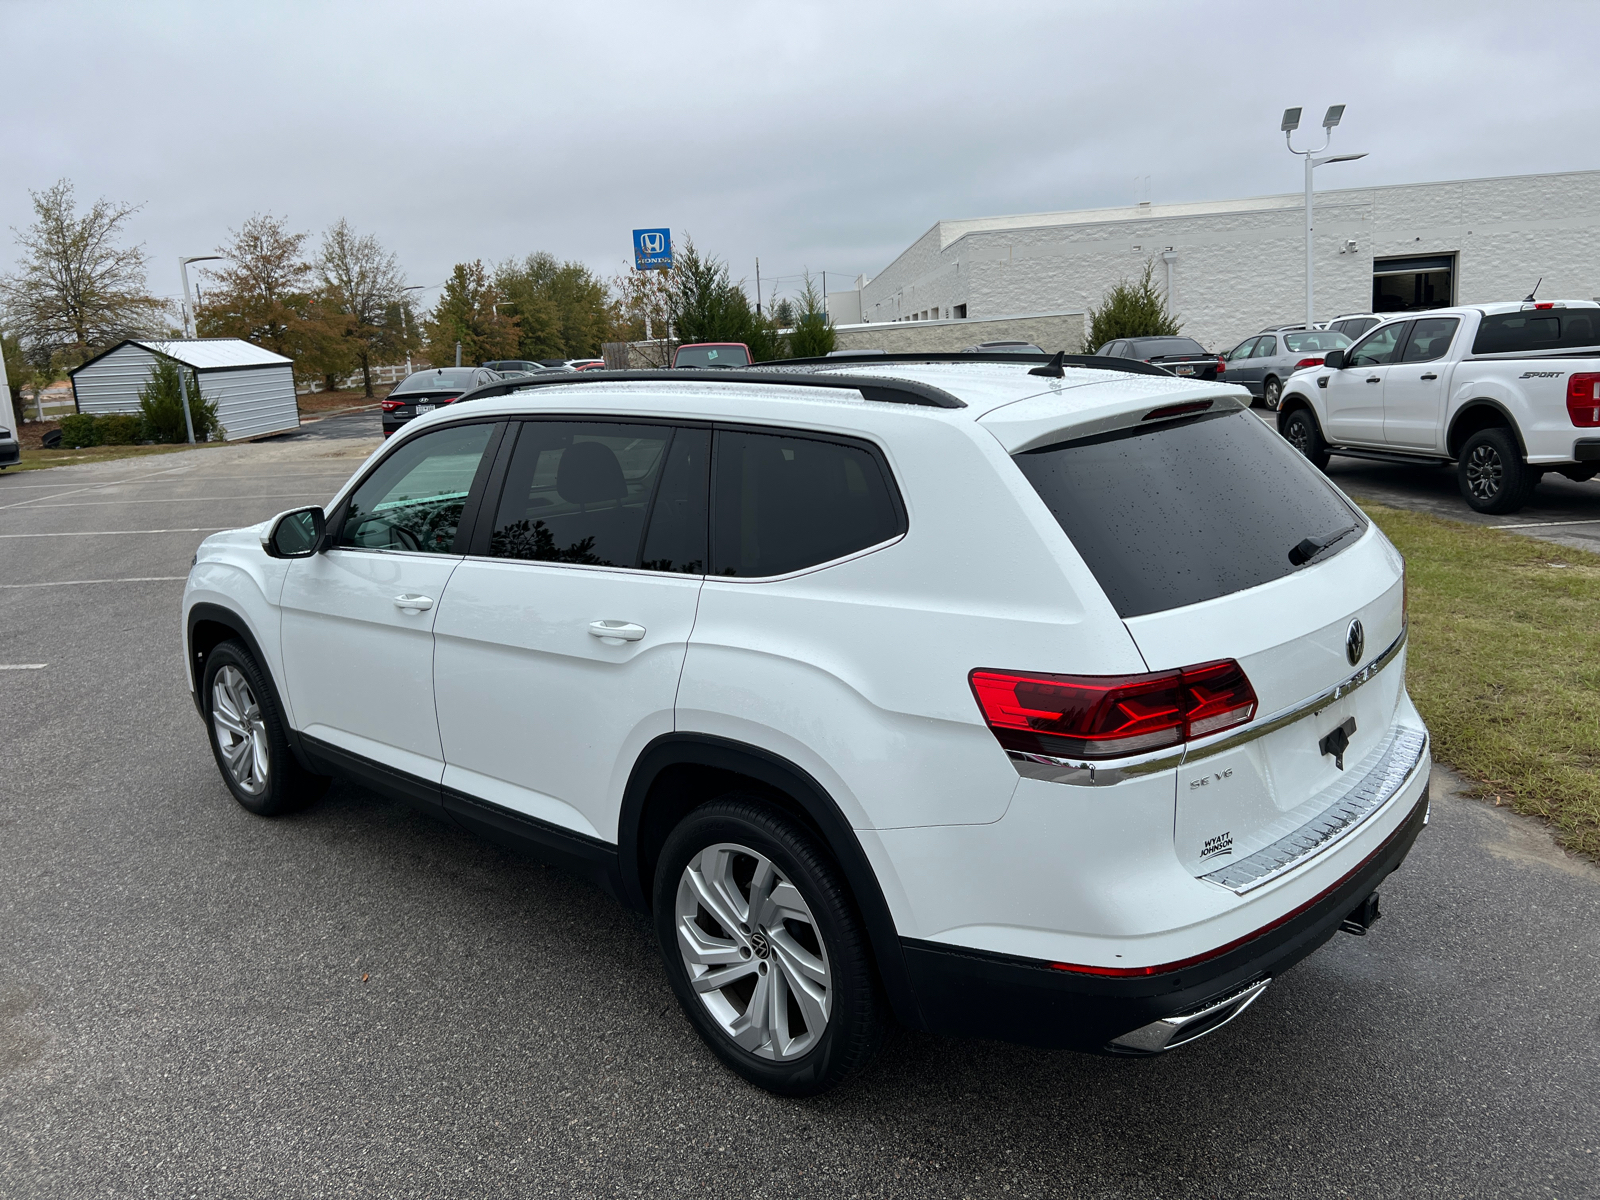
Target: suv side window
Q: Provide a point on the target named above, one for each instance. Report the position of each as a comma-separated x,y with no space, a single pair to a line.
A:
784,502
1378,347
414,500
1430,338
579,492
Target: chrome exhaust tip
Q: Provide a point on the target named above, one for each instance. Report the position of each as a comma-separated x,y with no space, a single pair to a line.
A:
1171,1032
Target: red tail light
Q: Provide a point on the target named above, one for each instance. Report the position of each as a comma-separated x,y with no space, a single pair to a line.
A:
1106,716
1222,364
391,405
1583,399
1307,362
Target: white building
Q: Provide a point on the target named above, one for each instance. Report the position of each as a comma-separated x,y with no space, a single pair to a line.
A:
1235,266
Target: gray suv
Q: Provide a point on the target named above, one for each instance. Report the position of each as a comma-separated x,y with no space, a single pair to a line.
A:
1263,362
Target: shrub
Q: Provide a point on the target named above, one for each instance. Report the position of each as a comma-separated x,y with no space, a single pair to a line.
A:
1130,310
78,430
161,407
118,429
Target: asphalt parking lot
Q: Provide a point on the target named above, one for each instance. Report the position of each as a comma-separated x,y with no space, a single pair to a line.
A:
356,1001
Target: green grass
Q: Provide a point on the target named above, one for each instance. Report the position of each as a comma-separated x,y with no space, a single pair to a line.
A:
38,460
1504,664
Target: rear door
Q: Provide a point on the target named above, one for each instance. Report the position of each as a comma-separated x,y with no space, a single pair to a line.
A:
1355,394
1415,390
1189,527
561,637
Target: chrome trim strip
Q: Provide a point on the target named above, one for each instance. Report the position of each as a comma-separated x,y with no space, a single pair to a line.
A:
1087,773
1167,1033
1384,774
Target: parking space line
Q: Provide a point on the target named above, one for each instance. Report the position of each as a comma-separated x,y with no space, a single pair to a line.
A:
82,582
23,666
113,532
95,487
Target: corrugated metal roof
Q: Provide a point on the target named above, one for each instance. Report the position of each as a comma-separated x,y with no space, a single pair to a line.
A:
202,353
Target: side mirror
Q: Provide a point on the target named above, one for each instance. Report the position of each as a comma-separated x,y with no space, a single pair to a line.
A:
295,534
1334,360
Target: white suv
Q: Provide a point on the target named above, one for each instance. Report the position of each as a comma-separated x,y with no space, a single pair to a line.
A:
1064,705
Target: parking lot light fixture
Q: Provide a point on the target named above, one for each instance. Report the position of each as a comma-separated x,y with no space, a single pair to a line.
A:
188,305
1313,159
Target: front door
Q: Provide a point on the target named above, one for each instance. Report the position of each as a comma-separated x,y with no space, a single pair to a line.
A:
358,619
1239,369
1413,394
562,635
1355,394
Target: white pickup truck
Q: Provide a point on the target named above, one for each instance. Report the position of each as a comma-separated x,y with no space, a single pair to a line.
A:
1504,391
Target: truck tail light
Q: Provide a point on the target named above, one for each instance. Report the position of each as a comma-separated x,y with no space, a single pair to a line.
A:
1583,399
1106,716
1307,362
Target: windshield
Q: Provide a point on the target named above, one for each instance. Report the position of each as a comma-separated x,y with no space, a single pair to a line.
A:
1189,510
445,379
1164,347
711,356
1317,339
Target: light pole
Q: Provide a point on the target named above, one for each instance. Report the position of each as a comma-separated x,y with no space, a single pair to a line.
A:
406,337
1291,122
188,331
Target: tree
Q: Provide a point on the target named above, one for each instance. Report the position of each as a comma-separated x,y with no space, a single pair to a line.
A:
267,294
562,309
1130,310
705,305
77,290
813,332
640,294
363,283
24,376
466,313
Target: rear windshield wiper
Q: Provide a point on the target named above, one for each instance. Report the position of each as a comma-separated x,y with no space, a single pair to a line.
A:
1308,548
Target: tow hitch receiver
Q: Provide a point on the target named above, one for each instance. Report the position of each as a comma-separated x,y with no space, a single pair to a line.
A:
1362,917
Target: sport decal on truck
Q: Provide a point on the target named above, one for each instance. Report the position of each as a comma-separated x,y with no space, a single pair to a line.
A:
1216,846
1541,375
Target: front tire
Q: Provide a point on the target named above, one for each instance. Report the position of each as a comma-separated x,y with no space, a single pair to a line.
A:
764,948
1300,431
247,734
1492,475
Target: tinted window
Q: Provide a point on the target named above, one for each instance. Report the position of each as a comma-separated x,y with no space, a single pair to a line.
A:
712,356
1165,347
1538,329
786,503
413,501
679,517
1379,347
1430,338
446,379
1186,511
1316,339
578,492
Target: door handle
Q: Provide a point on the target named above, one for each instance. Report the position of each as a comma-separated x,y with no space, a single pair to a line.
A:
614,633
1374,378
413,603
1430,375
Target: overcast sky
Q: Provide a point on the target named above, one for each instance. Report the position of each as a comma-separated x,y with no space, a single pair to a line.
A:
820,135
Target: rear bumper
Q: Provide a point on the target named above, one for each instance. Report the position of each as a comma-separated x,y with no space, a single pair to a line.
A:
1586,450
981,994
10,452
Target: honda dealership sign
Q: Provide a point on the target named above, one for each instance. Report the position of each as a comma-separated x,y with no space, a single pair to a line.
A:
652,249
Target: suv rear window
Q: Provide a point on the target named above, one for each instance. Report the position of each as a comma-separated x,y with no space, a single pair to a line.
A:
1538,329
1188,510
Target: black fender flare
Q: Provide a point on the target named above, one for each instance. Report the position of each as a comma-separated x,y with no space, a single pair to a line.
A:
1288,402
1478,405
822,811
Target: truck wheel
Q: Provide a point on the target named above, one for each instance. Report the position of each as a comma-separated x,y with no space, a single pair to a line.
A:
1300,429
1493,477
1272,394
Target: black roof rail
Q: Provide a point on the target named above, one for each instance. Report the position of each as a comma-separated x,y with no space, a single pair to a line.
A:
889,391
1095,362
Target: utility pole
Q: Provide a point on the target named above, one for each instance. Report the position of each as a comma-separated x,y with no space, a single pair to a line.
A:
1291,122
758,285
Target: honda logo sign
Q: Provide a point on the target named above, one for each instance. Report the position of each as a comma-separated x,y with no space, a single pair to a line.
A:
652,249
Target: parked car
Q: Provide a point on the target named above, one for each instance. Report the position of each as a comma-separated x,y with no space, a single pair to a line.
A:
1180,355
1020,758
712,354
10,450
1353,325
1506,392
587,364
1003,348
1263,362
420,392
517,366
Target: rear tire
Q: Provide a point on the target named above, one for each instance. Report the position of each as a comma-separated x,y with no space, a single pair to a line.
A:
1272,394
764,948
248,739
1300,431
1492,475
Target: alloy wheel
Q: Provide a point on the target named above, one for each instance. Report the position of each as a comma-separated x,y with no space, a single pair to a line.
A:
1299,434
753,952
1485,472
241,730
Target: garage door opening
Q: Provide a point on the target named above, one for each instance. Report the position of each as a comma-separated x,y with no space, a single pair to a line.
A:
1411,284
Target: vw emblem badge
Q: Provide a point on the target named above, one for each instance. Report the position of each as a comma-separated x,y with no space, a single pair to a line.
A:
1355,641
